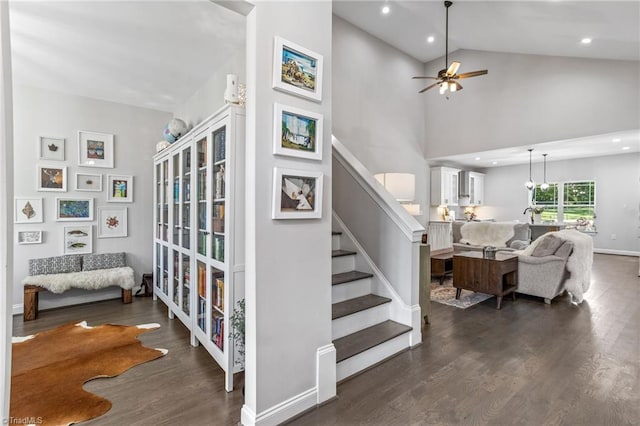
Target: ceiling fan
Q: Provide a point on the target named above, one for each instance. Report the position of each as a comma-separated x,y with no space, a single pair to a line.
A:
447,77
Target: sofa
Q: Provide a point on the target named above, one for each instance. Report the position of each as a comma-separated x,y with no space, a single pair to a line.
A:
475,236
90,272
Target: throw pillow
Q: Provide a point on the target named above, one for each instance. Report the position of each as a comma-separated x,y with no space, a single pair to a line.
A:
55,265
91,262
547,246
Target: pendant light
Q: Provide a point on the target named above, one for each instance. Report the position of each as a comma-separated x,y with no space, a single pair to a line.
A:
529,184
545,185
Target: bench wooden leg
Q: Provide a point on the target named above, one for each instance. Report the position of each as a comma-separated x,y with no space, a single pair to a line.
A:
126,296
30,311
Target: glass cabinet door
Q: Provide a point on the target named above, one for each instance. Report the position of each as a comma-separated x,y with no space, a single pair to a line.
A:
202,296
158,218
175,283
165,270
201,147
217,307
175,199
218,193
186,284
165,200
186,198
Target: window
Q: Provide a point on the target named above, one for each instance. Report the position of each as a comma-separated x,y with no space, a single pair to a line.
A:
567,202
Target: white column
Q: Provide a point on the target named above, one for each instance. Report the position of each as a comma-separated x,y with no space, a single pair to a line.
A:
288,262
6,208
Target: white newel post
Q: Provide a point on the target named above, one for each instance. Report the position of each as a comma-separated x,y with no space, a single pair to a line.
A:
289,351
6,207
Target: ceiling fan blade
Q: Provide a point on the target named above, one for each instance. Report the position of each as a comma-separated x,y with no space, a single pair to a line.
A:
429,87
453,69
432,78
471,74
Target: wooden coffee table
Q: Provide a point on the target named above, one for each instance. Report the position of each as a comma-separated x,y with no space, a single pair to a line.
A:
499,276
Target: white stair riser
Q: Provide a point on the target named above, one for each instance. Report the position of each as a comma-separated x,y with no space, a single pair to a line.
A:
359,362
360,320
335,242
350,290
342,264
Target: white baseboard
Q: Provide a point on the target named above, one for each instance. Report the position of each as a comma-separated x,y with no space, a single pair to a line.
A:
618,252
326,373
18,309
280,412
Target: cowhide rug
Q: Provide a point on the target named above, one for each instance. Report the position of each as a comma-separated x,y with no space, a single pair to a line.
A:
49,369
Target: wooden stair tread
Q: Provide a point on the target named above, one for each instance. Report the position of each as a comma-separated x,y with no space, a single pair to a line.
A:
360,341
346,277
357,304
338,253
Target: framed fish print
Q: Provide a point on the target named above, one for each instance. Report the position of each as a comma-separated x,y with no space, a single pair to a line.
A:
78,239
296,132
95,149
297,194
28,210
297,70
112,222
50,148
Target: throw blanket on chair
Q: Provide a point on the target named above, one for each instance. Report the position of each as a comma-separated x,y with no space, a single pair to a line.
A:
486,233
579,263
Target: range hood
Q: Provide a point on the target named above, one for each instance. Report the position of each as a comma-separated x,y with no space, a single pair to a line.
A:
463,184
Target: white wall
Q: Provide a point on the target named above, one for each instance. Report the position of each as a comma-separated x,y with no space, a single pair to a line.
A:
288,263
210,96
45,113
527,99
377,113
617,180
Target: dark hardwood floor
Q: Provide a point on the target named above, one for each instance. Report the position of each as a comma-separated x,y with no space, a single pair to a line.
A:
526,364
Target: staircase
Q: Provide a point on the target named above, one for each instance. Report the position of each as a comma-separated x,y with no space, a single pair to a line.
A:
362,331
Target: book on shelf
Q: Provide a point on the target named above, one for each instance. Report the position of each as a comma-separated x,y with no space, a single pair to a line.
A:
218,248
218,293
202,280
219,145
218,218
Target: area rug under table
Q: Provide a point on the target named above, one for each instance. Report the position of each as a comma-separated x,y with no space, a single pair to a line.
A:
446,294
49,369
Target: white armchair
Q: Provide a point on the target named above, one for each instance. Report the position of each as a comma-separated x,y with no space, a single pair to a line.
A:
544,276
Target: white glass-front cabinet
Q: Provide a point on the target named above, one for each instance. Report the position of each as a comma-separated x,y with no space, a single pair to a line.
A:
200,232
476,188
444,186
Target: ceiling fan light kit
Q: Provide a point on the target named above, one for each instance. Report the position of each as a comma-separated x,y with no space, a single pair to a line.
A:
447,77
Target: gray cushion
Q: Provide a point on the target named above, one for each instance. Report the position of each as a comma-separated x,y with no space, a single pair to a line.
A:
547,246
520,233
565,250
92,262
55,265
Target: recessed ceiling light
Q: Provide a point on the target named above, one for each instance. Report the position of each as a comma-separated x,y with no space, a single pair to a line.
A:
430,39
494,163
625,148
477,158
385,9
586,40
616,140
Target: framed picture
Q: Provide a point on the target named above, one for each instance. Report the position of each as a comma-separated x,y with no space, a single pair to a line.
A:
50,148
297,194
120,189
88,182
28,210
296,132
29,237
95,149
112,222
74,209
297,70
78,239
51,178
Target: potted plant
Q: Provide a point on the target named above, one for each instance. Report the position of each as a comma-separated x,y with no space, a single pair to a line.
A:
537,214
237,331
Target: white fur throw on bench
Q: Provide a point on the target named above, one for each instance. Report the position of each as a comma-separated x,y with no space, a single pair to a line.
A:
88,280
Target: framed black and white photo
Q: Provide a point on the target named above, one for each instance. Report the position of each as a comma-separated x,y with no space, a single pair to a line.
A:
74,209
29,237
296,132
88,182
112,222
297,194
51,178
78,239
50,148
119,189
95,149
297,70
28,210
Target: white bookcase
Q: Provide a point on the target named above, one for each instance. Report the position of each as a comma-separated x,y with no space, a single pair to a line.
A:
199,232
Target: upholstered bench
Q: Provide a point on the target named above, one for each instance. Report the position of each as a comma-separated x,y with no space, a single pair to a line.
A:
61,273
